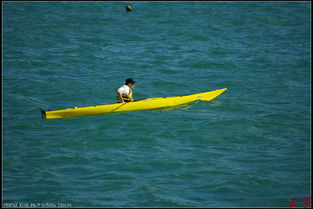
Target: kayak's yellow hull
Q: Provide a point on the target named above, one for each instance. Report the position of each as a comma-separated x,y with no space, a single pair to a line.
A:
146,104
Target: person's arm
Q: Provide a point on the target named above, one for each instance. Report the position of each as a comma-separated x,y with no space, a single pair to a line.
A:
119,93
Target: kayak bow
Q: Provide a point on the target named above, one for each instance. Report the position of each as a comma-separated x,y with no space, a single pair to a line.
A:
145,104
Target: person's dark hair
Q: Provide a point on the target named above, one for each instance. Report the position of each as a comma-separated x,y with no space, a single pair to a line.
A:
129,80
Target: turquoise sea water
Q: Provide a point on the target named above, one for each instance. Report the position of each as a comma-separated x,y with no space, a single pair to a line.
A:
249,147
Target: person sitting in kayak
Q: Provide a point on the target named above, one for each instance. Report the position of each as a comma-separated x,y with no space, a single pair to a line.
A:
125,92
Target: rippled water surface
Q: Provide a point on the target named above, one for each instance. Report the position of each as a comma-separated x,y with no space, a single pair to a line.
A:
249,147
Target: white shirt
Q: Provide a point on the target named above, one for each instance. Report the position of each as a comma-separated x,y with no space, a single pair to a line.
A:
124,89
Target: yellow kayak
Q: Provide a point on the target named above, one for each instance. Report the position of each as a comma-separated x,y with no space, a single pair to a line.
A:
145,104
